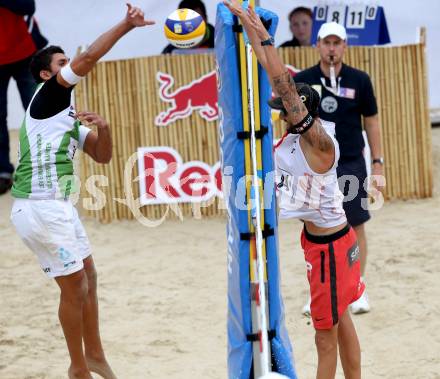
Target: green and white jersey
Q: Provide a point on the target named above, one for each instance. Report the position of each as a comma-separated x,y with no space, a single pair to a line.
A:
47,145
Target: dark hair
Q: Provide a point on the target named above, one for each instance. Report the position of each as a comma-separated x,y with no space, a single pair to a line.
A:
41,61
309,96
193,4
304,10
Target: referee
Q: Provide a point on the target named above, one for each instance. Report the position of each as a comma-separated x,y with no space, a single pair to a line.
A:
347,100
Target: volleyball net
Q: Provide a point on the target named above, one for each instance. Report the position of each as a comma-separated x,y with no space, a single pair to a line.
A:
258,342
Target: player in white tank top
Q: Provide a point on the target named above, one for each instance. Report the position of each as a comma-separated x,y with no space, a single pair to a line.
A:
303,193
308,154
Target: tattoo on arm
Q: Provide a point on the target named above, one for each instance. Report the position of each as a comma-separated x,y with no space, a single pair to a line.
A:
285,87
318,138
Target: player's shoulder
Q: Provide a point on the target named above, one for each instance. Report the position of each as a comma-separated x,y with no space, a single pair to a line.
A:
52,84
307,74
355,72
51,89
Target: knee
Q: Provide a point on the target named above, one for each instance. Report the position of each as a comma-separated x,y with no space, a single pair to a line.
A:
354,363
76,293
81,290
325,343
92,279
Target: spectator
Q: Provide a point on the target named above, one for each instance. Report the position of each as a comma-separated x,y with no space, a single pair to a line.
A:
347,96
300,20
17,46
199,7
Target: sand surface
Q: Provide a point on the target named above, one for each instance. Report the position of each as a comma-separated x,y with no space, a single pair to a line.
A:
163,297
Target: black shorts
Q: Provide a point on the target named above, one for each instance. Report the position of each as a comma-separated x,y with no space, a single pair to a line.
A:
356,197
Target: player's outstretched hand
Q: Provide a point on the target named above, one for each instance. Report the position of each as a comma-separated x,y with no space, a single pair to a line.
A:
256,23
135,17
235,7
92,118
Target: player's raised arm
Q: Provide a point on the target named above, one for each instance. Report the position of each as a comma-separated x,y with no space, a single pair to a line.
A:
280,77
235,7
296,114
84,63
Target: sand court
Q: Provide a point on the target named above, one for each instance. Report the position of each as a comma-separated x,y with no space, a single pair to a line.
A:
163,299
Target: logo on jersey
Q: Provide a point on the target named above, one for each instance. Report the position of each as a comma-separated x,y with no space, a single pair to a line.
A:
66,257
353,254
329,104
72,112
309,268
348,93
281,183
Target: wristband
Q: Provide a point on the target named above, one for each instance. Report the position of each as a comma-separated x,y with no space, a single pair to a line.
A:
268,42
69,76
378,160
302,126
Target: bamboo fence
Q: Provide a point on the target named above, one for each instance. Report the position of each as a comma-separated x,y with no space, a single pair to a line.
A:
126,93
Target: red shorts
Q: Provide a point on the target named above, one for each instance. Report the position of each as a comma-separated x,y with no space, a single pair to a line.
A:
333,271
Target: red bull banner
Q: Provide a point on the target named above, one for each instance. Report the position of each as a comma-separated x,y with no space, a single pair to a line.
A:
199,96
172,101
166,179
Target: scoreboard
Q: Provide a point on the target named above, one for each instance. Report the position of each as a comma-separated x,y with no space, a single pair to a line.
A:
365,24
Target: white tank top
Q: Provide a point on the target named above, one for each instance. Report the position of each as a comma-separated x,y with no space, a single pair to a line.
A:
46,151
303,193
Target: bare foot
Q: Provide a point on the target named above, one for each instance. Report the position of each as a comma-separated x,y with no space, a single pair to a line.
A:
79,373
101,367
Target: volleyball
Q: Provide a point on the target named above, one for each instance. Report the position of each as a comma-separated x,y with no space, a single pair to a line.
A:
185,28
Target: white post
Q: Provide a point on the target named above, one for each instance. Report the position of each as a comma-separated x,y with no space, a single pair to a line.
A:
256,218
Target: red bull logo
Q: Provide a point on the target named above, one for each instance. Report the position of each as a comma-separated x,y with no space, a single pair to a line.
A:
166,179
200,95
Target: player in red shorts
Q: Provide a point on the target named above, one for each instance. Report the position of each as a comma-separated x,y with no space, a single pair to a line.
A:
306,159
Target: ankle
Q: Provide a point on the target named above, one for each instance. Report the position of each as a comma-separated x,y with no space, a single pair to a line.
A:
79,372
95,356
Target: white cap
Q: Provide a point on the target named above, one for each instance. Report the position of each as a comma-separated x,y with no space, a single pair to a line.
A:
332,29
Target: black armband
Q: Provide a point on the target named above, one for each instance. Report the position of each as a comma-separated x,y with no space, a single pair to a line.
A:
302,126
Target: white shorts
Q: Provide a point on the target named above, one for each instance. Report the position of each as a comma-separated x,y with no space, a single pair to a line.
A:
53,231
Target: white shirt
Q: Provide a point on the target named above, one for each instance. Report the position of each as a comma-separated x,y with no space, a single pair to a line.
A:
46,151
303,193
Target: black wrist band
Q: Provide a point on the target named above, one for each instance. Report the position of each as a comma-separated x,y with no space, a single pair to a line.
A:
268,42
303,126
378,160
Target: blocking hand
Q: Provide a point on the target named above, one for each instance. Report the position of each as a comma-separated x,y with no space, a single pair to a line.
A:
235,7
256,23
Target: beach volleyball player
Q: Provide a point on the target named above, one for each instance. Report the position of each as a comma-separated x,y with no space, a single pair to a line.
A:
306,158
44,217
